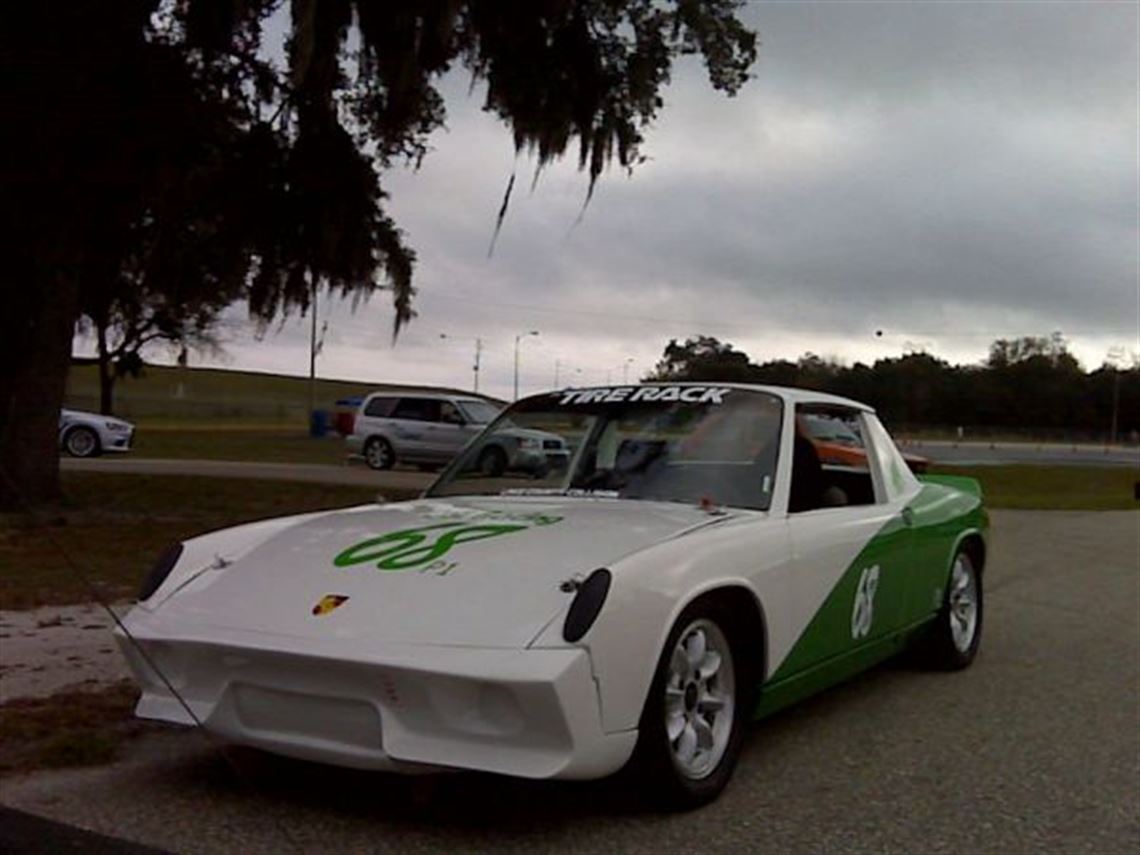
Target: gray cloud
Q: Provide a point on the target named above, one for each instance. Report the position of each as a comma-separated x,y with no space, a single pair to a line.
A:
946,172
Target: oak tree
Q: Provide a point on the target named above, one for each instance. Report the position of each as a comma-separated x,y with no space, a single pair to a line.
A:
100,102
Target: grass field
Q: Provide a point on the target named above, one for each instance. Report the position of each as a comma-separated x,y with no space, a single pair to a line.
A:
181,396
255,443
76,727
112,526
1089,488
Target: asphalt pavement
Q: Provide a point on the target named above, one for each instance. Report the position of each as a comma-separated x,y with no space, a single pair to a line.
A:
1034,748
26,834
1041,454
405,480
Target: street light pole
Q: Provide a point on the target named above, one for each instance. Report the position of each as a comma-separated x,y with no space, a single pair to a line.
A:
1114,358
1115,402
313,352
478,351
316,345
625,370
519,338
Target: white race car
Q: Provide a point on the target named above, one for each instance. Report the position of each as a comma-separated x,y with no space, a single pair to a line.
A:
90,434
692,566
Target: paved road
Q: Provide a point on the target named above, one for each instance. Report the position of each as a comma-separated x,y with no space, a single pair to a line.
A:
998,453
1035,748
25,834
407,479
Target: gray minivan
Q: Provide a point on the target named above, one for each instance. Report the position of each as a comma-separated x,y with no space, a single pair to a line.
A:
424,428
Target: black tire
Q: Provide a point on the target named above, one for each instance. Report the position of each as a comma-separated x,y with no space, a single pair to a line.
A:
493,461
81,441
378,453
655,757
942,646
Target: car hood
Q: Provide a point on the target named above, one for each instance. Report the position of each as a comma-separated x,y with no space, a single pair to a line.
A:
94,419
510,429
527,433
472,571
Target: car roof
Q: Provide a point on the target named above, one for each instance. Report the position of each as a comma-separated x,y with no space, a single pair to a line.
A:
442,396
383,393
791,394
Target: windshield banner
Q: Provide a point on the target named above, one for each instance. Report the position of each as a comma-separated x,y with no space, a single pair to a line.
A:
623,394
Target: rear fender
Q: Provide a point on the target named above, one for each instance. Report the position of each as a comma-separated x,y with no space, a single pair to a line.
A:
958,482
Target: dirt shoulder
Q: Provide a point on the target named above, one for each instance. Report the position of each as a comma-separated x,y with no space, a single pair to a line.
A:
45,650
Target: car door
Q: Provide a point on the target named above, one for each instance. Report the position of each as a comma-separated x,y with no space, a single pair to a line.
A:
373,417
849,549
410,425
447,435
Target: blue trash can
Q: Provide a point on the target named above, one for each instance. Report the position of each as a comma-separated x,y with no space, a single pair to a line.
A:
319,423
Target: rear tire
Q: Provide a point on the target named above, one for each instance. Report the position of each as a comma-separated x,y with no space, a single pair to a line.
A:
951,642
698,706
378,453
82,441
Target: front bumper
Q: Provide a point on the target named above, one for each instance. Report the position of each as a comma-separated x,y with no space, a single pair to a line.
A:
119,440
530,713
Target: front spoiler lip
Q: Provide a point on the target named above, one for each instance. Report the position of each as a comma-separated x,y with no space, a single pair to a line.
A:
530,713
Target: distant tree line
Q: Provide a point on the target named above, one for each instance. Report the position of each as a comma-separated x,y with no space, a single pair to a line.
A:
1025,383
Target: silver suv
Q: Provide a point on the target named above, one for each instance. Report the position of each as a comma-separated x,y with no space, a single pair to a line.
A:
425,429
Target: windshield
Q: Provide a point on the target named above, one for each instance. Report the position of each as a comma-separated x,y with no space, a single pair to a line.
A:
694,444
479,412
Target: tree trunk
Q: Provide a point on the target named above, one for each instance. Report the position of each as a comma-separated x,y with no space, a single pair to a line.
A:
106,371
35,352
106,391
67,180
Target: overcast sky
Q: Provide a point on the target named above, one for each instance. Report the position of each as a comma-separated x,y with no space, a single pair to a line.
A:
947,173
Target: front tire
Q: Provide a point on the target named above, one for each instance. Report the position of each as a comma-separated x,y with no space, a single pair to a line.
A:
694,718
493,461
82,441
951,643
378,453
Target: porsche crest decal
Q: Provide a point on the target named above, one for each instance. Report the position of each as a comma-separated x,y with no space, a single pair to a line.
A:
328,603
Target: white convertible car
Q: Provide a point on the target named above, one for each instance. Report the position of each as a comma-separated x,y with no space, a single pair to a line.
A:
692,567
